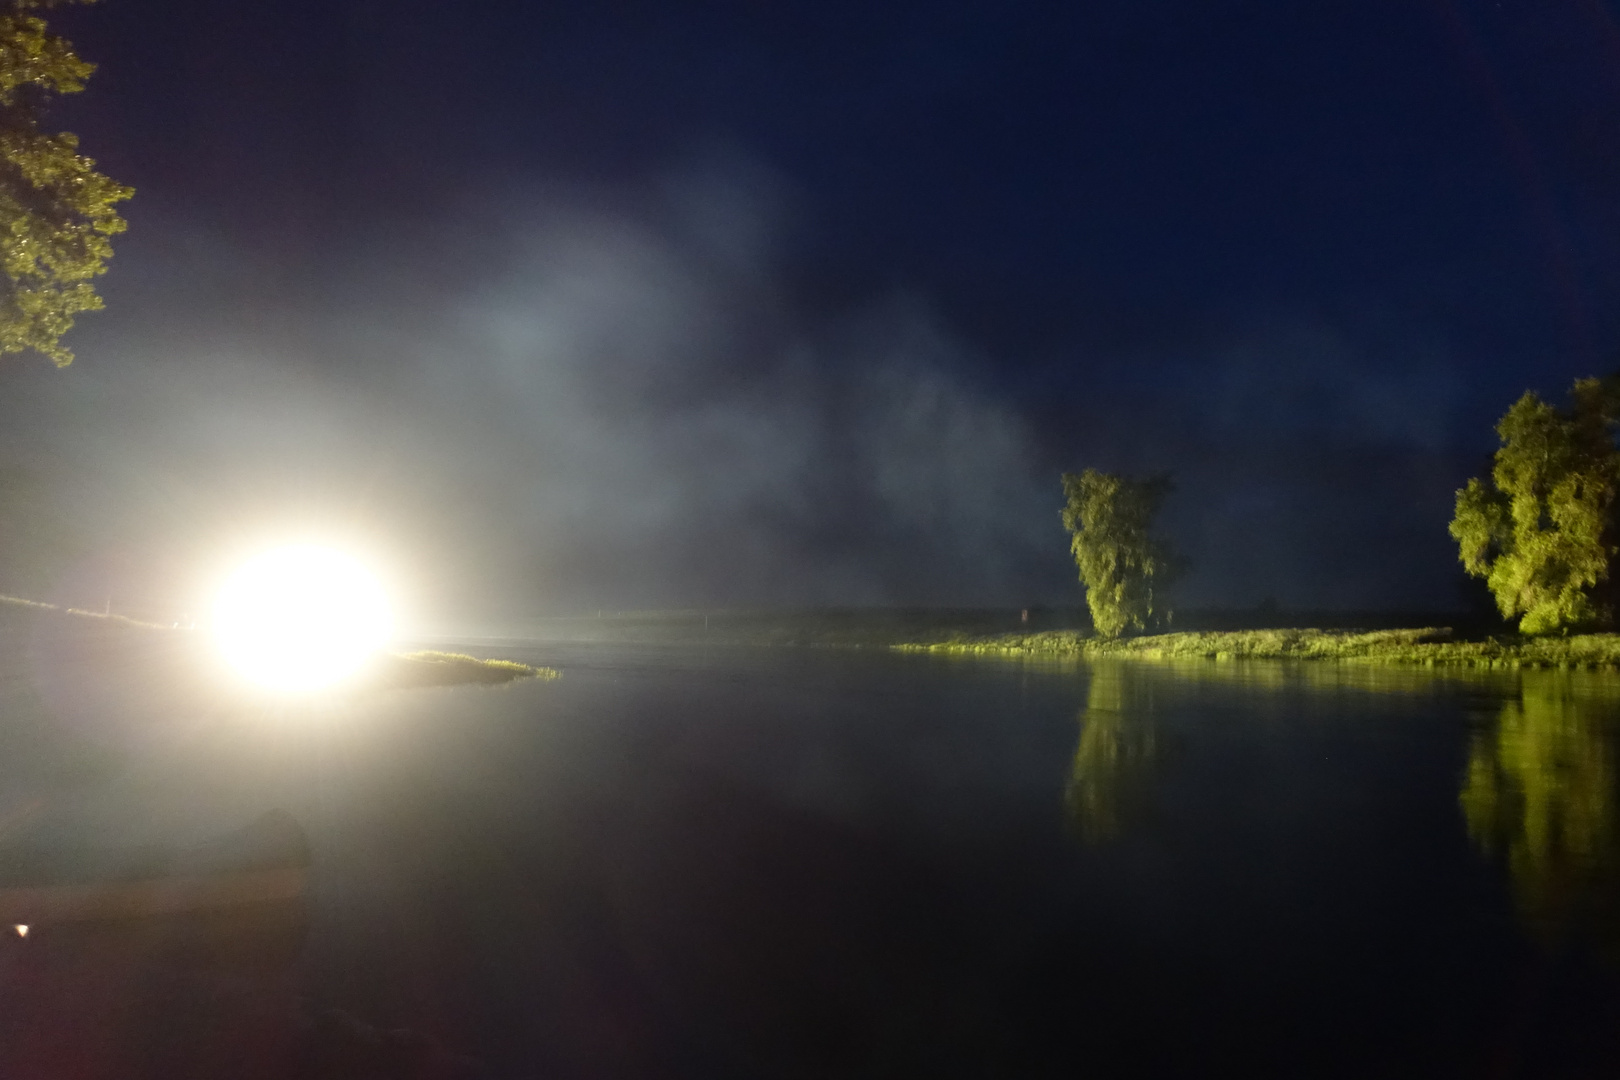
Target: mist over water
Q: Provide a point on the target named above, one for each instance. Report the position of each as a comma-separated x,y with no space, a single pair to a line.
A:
544,401
557,407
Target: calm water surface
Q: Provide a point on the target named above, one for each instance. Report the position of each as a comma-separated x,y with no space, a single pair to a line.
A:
738,863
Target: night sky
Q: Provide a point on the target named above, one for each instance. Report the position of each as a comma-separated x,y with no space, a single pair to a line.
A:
565,306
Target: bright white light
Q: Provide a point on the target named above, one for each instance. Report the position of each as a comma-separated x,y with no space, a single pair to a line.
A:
22,929
300,618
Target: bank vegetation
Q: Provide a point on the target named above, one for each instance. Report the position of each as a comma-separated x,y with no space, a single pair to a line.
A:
1427,646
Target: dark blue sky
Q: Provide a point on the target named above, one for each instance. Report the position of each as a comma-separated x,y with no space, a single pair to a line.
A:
1302,254
1037,167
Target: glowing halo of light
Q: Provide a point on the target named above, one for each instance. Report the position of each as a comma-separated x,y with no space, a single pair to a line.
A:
300,618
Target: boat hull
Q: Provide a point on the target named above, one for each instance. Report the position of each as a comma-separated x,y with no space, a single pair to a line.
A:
47,905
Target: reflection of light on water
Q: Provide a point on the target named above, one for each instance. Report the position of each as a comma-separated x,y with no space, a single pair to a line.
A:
1540,792
1112,776
22,929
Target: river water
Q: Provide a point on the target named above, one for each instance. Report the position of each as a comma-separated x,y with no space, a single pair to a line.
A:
688,862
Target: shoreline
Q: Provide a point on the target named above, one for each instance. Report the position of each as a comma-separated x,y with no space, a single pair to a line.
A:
1433,646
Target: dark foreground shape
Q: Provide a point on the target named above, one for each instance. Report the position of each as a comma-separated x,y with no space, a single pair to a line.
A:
175,964
266,863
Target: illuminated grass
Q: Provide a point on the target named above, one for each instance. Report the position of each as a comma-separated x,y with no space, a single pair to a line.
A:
430,668
1429,646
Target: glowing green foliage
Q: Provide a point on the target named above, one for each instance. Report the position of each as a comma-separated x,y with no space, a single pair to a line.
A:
1124,569
1540,792
56,210
1540,530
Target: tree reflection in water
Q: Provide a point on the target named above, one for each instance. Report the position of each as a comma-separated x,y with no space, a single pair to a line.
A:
1540,793
1116,762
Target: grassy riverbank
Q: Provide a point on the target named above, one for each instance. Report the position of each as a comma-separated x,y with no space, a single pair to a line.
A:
429,668
1428,646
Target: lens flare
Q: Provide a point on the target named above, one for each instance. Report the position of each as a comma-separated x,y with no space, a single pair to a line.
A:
301,618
